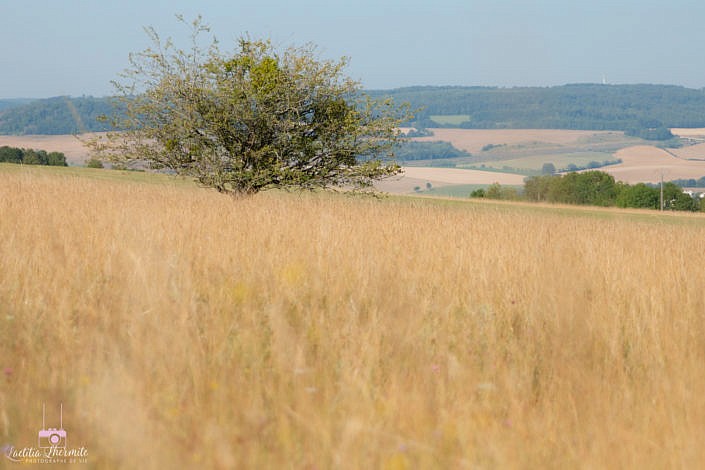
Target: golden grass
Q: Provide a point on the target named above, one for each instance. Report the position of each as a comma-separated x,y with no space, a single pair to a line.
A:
184,329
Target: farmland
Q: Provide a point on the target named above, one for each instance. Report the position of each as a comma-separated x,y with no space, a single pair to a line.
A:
508,155
521,152
72,146
182,328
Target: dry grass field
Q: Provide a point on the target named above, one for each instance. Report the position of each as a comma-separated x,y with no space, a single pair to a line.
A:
184,329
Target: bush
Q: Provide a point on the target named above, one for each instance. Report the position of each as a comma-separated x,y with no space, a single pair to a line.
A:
94,163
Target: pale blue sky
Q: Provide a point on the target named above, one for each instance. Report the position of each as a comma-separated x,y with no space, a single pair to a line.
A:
75,47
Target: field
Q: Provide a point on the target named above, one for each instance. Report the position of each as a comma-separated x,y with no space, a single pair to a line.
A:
521,150
72,146
181,328
450,119
473,140
647,164
559,160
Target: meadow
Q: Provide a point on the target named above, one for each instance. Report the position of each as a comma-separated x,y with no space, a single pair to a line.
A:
181,328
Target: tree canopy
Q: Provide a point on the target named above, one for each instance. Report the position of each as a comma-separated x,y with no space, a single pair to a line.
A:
643,110
252,119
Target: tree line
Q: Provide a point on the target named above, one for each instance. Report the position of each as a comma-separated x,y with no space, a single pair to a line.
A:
643,110
596,188
31,156
646,111
409,150
58,115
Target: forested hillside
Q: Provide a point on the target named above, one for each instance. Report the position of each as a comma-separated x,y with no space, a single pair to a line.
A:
584,106
643,110
60,115
13,102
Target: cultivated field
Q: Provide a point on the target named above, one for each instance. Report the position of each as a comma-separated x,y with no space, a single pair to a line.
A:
646,164
72,146
184,329
439,177
530,149
473,140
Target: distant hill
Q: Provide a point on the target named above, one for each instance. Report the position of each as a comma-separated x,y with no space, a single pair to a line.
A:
632,108
13,102
59,115
582,106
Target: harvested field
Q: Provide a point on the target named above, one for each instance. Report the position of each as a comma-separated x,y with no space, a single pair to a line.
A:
644,163
689,132
439,177
691,152
70,145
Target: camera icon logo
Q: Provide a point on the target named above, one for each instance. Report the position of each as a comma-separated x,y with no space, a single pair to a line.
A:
52,437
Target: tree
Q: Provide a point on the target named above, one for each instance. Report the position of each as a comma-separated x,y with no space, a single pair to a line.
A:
56,159
35,157
675,199
548,169
254,119
11,154
494,191
639,195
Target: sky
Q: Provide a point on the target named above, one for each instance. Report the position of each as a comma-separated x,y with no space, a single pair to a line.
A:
76,47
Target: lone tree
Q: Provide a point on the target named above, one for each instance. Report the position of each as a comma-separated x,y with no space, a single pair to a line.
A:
254,119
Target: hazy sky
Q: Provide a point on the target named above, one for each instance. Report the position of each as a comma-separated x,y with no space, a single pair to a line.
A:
75,47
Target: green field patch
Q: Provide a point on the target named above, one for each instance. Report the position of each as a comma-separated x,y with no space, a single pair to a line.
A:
536,162
450,119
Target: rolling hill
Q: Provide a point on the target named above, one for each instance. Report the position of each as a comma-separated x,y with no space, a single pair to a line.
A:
582,106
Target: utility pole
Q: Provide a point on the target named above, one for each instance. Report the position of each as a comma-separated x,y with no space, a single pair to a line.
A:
662,191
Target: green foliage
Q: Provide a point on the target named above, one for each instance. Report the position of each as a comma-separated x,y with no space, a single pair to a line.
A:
675,199
59,115
56,159
651,133
690,183
94,163
454,120
599,189
583,106
548,169
494,191
497,191
411,150
11,154
253,119
639,195
13,103
591,187
31,157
